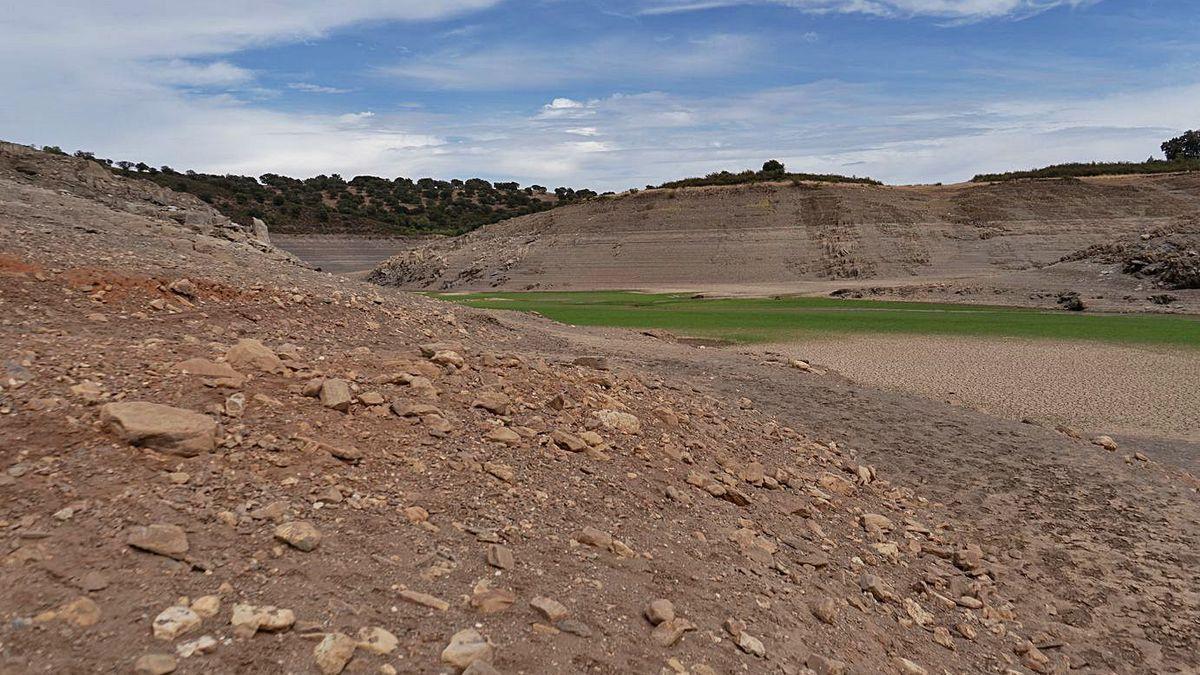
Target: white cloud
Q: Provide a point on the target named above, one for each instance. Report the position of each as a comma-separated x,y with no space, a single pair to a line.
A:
612,59
137,64
582,131
311,88
950,9
189,73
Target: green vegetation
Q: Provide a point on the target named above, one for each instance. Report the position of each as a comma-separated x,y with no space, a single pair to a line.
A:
1081,169
773,170
365,204
781,319
1185,146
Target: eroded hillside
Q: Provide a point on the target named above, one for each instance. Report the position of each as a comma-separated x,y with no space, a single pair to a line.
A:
985,239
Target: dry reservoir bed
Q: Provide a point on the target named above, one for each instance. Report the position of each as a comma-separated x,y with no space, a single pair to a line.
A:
1123,389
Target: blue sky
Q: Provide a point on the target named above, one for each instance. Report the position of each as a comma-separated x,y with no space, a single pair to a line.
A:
598,94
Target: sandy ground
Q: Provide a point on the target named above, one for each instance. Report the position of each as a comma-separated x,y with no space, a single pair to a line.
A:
1131,390
342,254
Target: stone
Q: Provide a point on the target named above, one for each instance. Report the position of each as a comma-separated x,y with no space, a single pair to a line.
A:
259,231
835,484
593,362
183,287
658,611
333,652
235,405
201,645
480,668
88,391
275,511
299,534
467,647
371,398
448,357
416,514
207,606
250,354
424,599
160,427
175,621
377,640
907,667
492,401
668,633
920,616
823,665
752,473
491,600
155,664
249,619
873,522
502,471
552,610
335,394
750,644
616,420
941,635
503,435
500,556
1105,442
568,441
160,538
825,610
409,409
81,611
594,537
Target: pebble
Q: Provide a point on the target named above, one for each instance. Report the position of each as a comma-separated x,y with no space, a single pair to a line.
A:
500,556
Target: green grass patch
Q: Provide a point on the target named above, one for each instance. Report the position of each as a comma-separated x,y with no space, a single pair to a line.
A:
747,320
1083,169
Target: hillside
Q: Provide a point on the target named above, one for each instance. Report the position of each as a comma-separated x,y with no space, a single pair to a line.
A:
1001,241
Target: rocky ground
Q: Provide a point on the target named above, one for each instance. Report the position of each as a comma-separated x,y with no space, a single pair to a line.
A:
216,460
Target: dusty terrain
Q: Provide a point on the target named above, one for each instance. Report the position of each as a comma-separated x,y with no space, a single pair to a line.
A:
1130,390
347,478
344,254
996,243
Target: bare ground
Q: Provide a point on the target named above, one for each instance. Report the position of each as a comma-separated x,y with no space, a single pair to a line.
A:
1113,389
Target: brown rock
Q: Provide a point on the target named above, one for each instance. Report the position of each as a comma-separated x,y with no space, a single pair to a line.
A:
824,609
335,394
425,600
619,421
299,534
160,538
668,633
500,556
492,401
568,441
211,369
161,427
175,621
334,652
81,611
658,611
154,664
1105,442
551,609
466,647
249,354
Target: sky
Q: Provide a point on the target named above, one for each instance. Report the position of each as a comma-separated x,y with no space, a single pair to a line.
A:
601,94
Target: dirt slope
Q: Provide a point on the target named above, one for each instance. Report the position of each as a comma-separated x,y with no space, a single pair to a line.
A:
984,239
348,478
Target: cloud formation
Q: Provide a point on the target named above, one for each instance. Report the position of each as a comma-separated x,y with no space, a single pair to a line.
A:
951,9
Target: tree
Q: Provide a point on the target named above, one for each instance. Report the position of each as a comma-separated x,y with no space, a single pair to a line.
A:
125,165
773,166
53,150
1186,146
